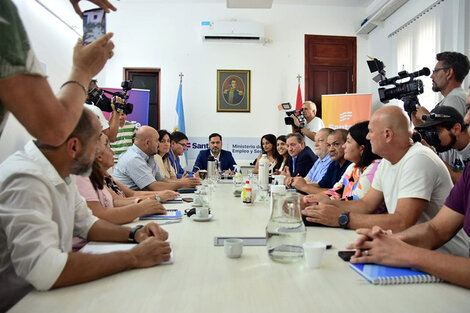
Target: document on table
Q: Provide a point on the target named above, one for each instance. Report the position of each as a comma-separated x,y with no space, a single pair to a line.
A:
107,247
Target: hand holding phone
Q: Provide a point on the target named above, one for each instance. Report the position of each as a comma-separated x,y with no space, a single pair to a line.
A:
94,25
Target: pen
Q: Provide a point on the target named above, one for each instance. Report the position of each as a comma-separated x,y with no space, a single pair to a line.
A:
169,222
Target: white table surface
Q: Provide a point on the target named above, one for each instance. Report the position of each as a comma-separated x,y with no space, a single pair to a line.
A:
203,279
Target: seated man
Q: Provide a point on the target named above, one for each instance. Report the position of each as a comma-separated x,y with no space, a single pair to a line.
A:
42,210
412,247
301,158
179,142
138,170
318,169
335,170
451,138
224,158
125,136
411,179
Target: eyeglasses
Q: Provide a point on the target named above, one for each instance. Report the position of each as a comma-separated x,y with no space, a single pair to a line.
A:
182,144
439,69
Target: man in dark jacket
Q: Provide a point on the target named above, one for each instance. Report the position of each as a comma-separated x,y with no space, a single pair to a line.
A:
301,158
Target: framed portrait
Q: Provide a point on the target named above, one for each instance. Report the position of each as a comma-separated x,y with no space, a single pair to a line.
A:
233,90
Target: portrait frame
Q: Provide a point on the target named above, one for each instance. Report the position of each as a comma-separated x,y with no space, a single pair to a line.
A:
233,91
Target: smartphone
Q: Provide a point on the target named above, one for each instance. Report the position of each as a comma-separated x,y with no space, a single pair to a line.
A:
94,25
346,255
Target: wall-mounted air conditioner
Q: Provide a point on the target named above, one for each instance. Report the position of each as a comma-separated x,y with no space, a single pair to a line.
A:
232,30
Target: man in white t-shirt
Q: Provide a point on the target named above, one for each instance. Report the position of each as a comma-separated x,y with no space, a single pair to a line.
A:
448,134
411,180
313,125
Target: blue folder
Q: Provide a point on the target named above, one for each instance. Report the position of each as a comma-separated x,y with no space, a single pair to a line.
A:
386,275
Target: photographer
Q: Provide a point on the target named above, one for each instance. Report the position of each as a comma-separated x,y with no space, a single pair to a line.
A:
313,124
109,129
447,77
447,132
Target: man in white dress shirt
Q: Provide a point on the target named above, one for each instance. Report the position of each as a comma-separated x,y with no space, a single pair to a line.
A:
41,211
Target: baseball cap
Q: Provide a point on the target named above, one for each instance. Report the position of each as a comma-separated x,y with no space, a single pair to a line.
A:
442,115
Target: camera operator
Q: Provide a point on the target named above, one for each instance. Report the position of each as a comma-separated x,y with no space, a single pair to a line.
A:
109,129
313,123
449,137
447,77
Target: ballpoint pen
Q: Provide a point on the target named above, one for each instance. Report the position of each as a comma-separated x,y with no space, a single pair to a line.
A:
170,222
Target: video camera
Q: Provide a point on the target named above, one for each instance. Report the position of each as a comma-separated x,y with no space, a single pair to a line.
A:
297,113
404,91
97,97
441,116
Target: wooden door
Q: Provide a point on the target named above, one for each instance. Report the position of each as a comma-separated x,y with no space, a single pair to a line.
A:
145,78
330,66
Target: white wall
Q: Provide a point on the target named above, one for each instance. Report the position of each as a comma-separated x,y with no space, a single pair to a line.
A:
174,44
167,36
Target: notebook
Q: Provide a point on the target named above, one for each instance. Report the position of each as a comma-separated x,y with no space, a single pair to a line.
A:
170,215
385,275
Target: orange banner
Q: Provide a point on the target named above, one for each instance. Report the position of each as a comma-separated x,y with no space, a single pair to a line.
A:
343,111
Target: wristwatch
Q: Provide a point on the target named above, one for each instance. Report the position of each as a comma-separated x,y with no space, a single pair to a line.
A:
132,233
158,198
343,220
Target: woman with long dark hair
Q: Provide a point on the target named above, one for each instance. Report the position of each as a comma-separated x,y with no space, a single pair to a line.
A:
161,157
268,146
281,148
357,178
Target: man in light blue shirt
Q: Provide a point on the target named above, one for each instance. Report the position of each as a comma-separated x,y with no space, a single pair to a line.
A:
137,169
318,169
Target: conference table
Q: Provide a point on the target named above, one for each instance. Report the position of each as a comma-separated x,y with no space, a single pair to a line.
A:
203,279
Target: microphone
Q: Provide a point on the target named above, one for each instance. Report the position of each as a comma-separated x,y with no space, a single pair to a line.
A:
425,71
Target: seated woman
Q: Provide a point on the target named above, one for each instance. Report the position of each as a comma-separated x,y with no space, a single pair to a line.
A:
281,148
357,178
110,203
268,145
161,157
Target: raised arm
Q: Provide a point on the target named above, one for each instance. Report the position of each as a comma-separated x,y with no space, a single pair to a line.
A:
32,101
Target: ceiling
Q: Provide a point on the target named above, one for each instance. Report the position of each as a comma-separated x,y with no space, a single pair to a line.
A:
343,3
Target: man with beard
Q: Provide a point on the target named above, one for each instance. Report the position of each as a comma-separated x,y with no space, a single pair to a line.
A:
447,78
225,158
452,139
41,210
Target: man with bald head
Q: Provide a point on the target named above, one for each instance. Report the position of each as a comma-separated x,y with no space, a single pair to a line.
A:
138,170
411,179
